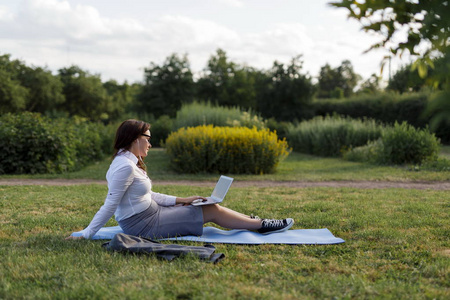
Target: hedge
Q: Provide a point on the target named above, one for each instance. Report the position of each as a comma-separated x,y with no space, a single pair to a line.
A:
196,114
387,108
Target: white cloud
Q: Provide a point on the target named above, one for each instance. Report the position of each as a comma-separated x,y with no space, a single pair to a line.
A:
50,19
5,14
233,3
58,33
192,34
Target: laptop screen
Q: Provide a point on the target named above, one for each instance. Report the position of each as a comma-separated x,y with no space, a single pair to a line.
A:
222,187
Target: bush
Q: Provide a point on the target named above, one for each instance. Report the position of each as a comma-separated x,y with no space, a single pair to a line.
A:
196,114
108,133
367,153
32,144
281,128
400,144
330,136
234,150
440,164
88,139
403,144
160,130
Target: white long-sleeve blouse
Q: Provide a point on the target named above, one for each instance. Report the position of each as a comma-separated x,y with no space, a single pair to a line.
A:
129,193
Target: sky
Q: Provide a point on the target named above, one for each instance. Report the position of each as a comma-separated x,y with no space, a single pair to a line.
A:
117,39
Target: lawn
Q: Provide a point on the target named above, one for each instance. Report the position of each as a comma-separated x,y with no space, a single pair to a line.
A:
397,247
397,240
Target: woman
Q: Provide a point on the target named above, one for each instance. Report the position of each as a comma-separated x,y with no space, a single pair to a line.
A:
142,212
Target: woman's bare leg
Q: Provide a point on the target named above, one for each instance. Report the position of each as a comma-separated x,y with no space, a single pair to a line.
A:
244,215
228,218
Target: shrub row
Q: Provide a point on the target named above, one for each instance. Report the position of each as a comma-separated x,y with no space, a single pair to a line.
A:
387,108
32,143
331,136
196,114
364,141
233,150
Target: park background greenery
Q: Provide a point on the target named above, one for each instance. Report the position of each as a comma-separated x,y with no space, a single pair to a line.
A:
280,95
396,239
67,120
81,111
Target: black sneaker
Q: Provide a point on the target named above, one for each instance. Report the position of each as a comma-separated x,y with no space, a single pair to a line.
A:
273,225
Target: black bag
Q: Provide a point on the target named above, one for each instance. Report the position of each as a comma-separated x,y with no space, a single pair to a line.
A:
128,243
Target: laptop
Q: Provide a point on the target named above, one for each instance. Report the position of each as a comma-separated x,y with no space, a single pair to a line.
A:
218,193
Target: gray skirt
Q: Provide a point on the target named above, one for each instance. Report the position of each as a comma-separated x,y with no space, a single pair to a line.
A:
165,221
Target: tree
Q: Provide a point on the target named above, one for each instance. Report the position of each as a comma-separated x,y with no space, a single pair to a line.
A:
286,93
85,95
31,88
227,83
13,96
45,90
120,98
427,24
339,82
371,85
328,82
166,87
406,80
438,108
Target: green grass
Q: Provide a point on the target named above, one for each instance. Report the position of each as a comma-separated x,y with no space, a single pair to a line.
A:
297,167
397,247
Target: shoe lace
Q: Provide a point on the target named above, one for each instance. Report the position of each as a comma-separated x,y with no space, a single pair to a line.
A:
273,223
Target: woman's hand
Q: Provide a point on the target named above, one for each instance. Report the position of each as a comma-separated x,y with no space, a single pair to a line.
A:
189,200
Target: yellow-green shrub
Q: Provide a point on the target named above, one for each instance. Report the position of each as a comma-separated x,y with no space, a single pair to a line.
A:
234,150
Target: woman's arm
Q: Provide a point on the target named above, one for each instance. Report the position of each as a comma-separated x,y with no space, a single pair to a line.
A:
166,200
118,185
189,200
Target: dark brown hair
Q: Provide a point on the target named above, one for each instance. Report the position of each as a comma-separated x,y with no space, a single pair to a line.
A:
127,133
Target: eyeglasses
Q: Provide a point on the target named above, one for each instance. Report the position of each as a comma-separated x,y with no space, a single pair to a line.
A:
148,140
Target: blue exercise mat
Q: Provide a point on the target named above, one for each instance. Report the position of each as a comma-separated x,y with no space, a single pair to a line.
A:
214,235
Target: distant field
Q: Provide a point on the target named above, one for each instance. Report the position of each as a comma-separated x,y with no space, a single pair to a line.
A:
296,167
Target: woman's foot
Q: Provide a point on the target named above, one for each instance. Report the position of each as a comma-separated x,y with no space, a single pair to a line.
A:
274,225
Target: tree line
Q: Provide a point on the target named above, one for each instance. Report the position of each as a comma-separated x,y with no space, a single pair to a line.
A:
282,92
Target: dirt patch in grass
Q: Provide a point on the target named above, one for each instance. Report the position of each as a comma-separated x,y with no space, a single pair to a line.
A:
432,185
445,252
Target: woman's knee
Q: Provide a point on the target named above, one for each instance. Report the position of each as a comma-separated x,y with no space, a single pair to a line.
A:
212,207
210,212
